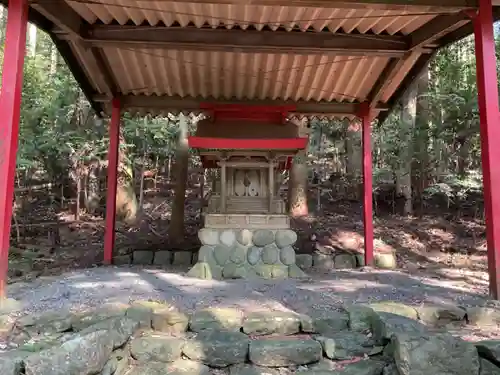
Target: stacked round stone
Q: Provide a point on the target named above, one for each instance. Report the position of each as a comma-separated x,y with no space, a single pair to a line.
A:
244,253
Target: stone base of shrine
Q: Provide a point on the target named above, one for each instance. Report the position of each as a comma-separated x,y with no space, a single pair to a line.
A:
230,253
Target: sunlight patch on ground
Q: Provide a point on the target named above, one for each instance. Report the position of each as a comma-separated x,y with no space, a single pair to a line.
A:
119,283
181,280
352,286
346,240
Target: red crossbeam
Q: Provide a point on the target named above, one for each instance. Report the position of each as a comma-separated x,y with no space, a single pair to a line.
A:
248,144
225,112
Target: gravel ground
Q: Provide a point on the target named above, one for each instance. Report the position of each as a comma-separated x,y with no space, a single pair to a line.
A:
83,289
93,287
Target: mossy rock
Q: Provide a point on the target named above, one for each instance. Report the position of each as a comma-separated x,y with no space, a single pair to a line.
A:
344,261
253,255
209,236
206,254
239,254
280,271
270,254
244,237
222,254
200,270
263,237
295,272
227,237
385,260
287,255
225,319
286,237
264,270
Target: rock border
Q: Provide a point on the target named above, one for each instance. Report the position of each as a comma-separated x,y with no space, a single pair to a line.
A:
149,337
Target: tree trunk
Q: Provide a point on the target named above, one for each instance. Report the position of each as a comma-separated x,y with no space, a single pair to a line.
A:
93,198
3,14
176,229
297,188
352,144
53,59
31,40
78,196
421,161
350,156
463,158
169,167
408,117
141,188
126,200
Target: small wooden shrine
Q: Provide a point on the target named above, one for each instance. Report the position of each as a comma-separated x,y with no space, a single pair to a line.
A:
246,228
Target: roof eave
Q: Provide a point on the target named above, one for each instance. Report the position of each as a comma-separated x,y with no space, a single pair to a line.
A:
424,61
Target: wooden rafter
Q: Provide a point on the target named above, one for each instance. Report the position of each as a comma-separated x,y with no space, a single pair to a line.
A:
410,78
436,28
384,80
69,23
60,14
184,38
425,35
354,4
158,103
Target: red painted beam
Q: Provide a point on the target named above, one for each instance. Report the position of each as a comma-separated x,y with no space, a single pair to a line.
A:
10,108
114,144
273,114
490,134
365,116
248,144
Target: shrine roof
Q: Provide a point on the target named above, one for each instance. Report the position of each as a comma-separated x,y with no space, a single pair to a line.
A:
319,57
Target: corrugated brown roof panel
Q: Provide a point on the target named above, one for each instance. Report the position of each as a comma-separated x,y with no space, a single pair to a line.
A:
215,15
243,75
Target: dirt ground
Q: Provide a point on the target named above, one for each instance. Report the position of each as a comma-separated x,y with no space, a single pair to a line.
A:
440,246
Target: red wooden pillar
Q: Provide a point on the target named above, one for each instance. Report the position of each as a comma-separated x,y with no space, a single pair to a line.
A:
10,108
365,116
114,143
490,134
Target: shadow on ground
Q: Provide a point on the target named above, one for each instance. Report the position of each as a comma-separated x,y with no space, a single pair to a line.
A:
94,287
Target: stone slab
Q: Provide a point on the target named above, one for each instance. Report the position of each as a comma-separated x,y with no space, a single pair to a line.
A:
269,322
489,349
434,354
182,258
323,262
304,261
170,322
281,353
217,348
142,257
163,258
156,347
216,318
83,355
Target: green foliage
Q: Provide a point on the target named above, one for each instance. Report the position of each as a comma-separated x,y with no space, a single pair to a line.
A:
59,131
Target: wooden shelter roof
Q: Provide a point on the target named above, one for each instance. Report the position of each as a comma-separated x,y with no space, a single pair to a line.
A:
322,56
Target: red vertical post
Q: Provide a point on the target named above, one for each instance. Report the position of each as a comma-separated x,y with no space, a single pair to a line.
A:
365,116
114,144
10,109
487,91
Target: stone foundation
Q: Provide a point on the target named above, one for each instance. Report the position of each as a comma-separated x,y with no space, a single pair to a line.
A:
155,338
246,253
